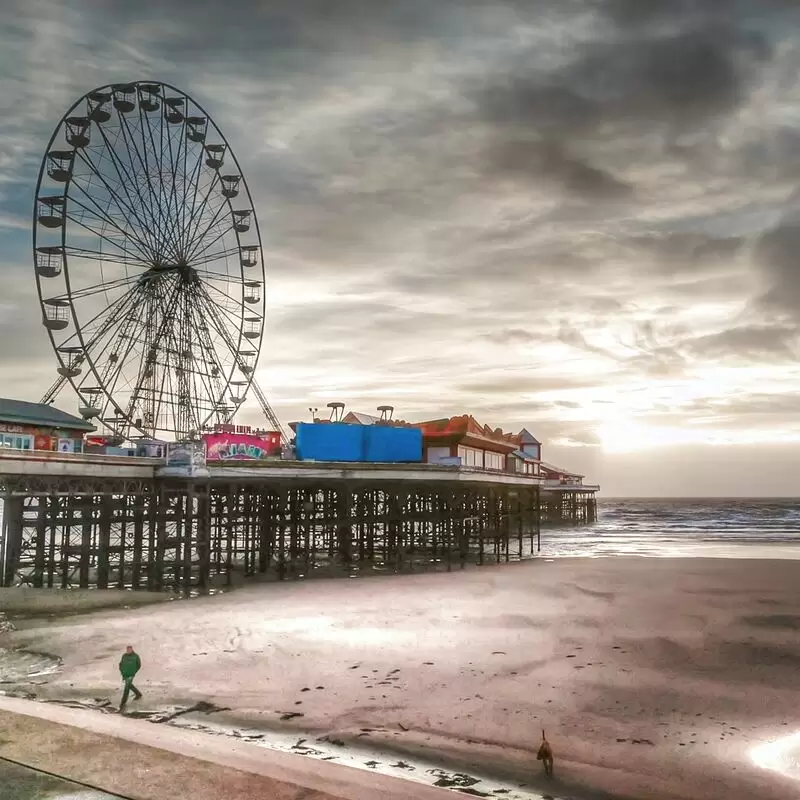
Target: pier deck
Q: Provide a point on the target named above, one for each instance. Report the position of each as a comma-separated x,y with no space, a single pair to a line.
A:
110,521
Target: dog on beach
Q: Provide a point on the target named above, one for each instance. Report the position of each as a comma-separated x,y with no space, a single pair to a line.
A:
545,755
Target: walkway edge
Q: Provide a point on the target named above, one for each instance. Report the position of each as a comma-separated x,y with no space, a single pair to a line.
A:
325,777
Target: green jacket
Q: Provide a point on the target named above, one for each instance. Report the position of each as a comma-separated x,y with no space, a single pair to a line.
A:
130,664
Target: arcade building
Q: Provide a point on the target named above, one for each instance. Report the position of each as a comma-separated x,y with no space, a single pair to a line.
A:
34,426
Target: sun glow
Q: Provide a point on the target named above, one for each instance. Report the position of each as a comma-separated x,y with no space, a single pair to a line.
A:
630,437
781,755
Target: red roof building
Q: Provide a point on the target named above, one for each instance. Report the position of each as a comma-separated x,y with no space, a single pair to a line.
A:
465,438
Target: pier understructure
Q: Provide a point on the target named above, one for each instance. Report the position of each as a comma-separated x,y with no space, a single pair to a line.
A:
72,522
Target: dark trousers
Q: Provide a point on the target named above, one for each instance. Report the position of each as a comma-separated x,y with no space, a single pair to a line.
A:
128,687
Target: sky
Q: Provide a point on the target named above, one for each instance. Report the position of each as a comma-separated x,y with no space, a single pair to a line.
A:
577,216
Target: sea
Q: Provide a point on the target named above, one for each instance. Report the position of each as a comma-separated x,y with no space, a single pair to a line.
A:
681,527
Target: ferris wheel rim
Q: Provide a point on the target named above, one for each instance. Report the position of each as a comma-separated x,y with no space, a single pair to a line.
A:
249,210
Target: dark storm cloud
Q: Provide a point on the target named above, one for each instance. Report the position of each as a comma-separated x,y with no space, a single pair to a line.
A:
681,78
637,14
497,384
547,123
777,255
751,343
354,319
687,251
549,164
514,336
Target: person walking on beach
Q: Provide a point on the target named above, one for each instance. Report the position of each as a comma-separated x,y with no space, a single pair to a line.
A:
129,665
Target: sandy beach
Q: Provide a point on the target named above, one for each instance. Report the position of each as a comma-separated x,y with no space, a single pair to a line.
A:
654,678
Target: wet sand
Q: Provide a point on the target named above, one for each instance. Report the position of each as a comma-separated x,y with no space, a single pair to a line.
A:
655,678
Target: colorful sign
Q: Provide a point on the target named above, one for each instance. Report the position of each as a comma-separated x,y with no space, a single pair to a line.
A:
241,446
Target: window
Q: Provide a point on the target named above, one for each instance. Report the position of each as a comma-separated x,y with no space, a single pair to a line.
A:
16,441
470,457
494,460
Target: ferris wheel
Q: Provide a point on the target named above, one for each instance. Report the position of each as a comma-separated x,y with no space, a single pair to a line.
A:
148,263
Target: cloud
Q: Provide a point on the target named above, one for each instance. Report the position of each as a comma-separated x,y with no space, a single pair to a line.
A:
560,213
747,344
776,254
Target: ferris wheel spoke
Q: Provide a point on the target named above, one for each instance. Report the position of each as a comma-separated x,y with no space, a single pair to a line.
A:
212,312
195,388
89,342
209,275
199,206
138,246
160,306
103,215
219,255
144,236
137,392
179,179
96,233
112,313
127,181
118,343
239,308
201,245
148,195
99,255
103,339
148,380
137,163
174,162
100,288
234,315
199,251
190,187
215,384
115,368
167,231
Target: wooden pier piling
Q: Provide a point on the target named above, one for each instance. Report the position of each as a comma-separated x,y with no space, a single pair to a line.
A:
160,533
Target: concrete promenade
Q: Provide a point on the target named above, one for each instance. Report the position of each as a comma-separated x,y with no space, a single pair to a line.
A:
142,760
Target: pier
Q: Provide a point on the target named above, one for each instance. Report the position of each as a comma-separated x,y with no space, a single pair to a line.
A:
73,520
